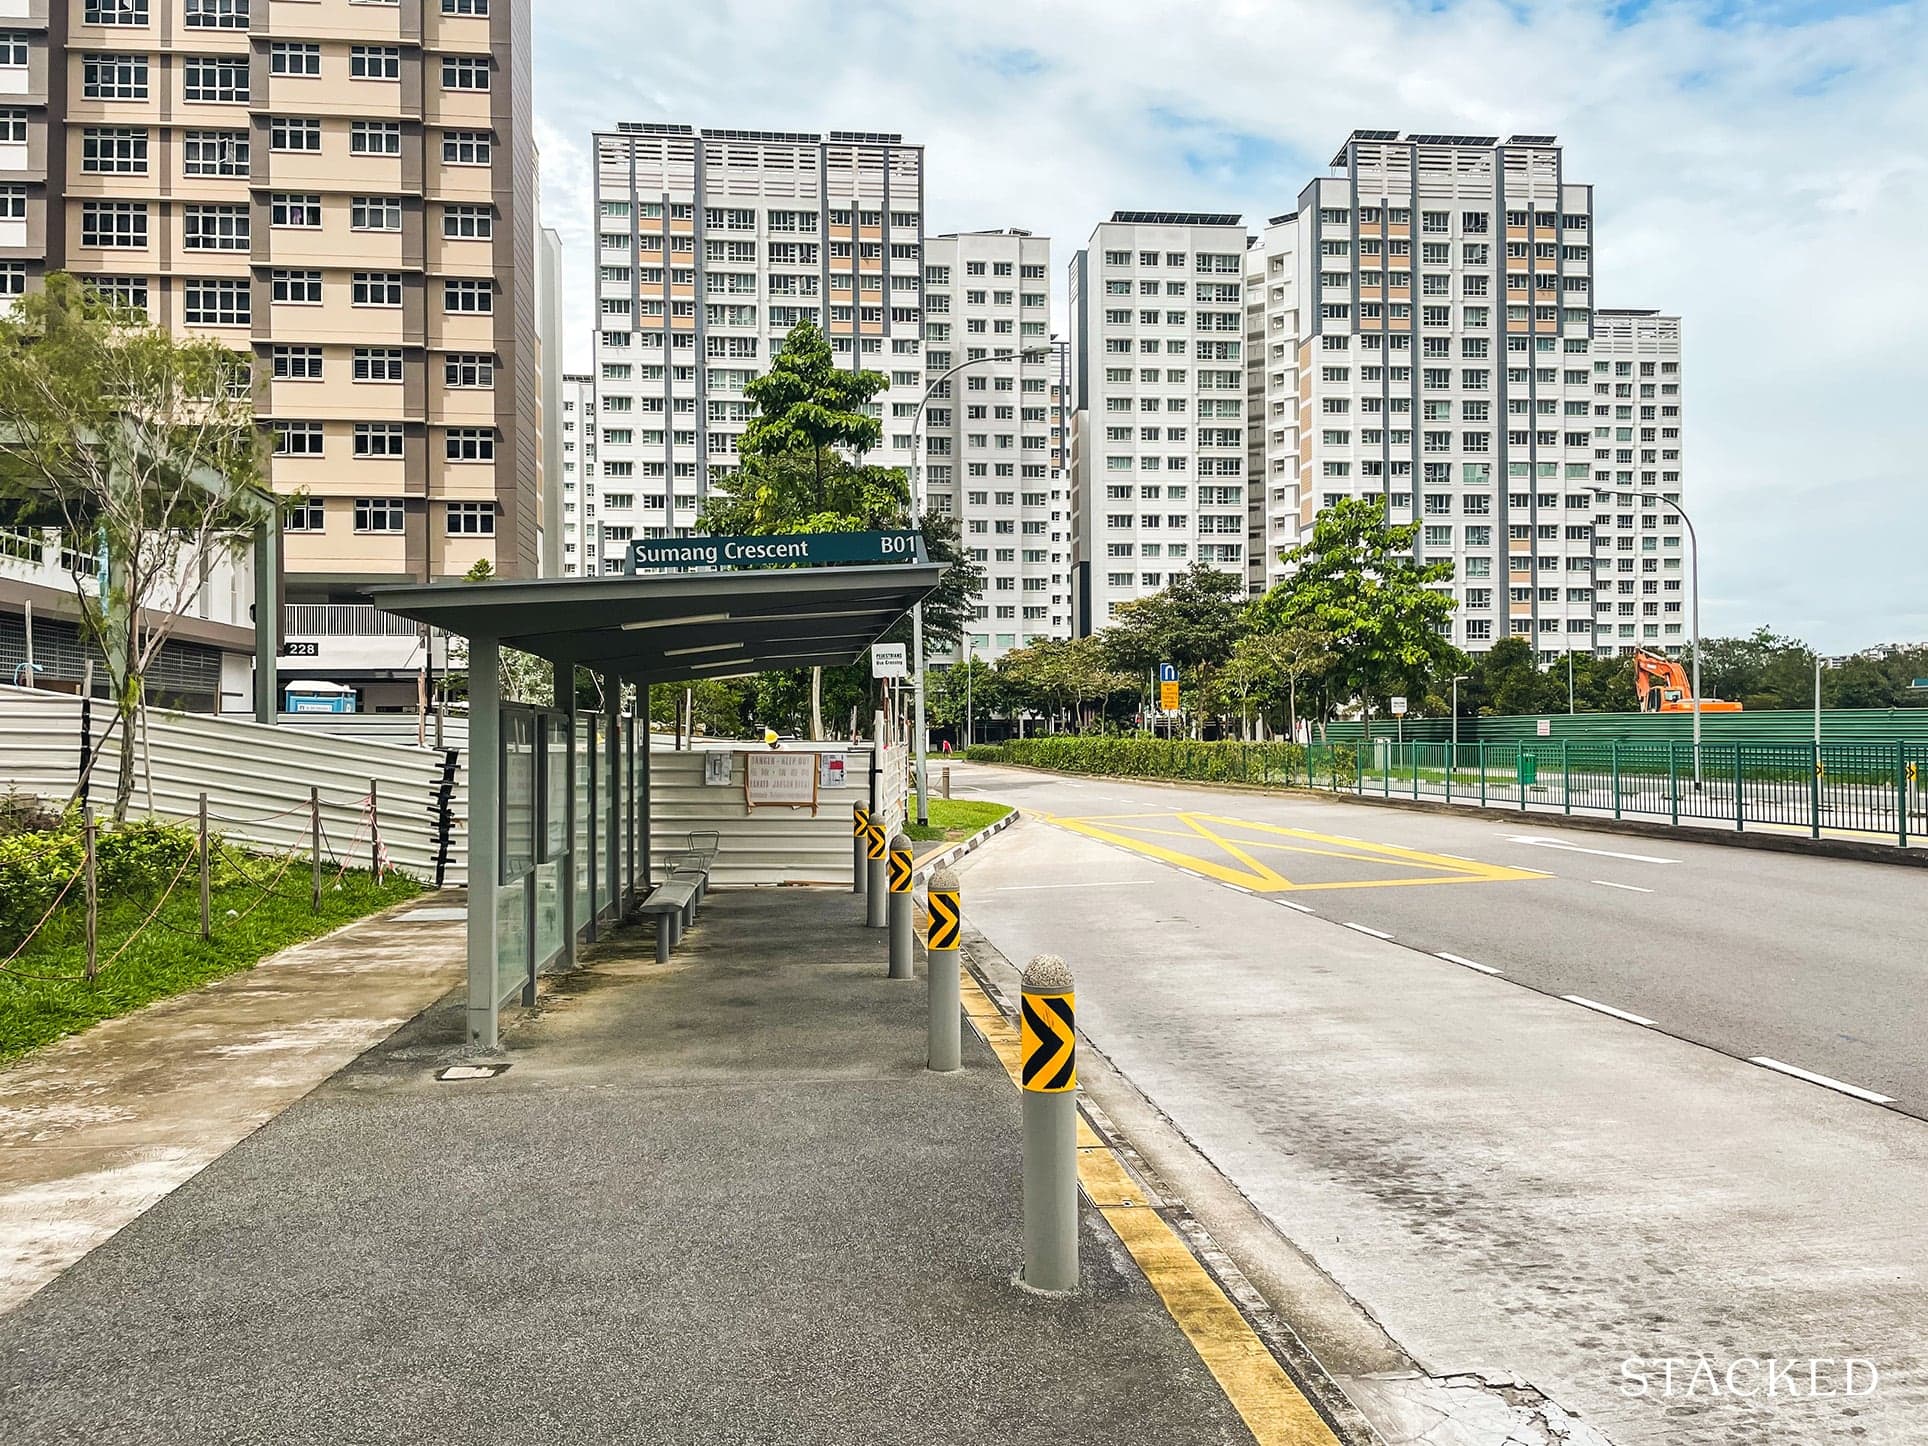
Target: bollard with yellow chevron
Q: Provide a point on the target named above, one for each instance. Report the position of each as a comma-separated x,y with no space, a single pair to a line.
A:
1048,1070
1048,1042
945,916
859,832
902,928
942,972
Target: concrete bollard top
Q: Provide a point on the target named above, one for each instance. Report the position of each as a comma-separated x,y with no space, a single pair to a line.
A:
900,842
1047,974
944,881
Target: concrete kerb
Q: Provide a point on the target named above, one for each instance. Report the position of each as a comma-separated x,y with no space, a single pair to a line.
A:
1276,1334
951,853
1910,857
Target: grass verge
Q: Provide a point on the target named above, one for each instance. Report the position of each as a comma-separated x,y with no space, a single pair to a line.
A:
955,818
169,956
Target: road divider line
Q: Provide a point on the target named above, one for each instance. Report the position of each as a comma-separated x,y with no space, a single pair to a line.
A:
1468,963
1553,843
1595,1004
1630,888
1302,908
1363,929
1825,1081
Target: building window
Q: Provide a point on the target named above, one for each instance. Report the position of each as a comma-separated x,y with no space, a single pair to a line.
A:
467,148
297,439
13,278
375,213
377,288
297,363
374,62
217,78
217,14
378,439
378,364
114,12
294,57
465,72
102,77
465,7
214,153
378,514
375,138
287,133
471,519
469,370
297,211
214,228
471,444
299,288
468,223
468,298
113,150
121,224
308,516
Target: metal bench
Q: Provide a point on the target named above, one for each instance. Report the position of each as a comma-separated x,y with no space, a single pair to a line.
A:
694,867
673,905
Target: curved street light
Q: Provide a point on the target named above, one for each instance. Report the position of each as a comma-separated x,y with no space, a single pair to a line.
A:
1693,540
1021,354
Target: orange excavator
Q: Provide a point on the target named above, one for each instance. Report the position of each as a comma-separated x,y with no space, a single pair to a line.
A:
1664,687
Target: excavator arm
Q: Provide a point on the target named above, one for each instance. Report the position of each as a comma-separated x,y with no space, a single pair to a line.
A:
1664,687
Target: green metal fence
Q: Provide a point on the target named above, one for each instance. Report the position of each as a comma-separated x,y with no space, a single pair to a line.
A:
1863,788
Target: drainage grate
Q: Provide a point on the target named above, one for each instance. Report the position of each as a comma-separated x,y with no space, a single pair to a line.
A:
471,1071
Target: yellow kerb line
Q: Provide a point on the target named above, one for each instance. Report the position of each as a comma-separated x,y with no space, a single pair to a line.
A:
1272,1406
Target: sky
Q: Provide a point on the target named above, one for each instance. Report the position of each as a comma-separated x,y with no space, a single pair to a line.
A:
1759,169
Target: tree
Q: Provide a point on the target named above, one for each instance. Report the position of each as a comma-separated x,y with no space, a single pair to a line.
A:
1286,657
135,444
1357,583
807,406
1506,681
1192,624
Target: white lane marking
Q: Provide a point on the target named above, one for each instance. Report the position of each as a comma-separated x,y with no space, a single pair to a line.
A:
1630,888
1463,858
1376,933
1303,909
1554,843
1830,1083
1238,888
1607,1009
1470,964
1089,884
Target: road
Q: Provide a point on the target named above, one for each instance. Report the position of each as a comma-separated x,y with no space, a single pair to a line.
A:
1816,964
1513,1183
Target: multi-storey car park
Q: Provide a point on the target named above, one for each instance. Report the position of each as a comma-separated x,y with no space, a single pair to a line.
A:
347,190
1158,321
711,245
1431,339
994,431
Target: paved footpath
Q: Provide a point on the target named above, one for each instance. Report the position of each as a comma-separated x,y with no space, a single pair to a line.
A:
96,1128
718,1201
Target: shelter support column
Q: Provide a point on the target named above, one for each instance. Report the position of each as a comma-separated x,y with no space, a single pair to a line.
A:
645,834
485,835
619,792
565,717
267,616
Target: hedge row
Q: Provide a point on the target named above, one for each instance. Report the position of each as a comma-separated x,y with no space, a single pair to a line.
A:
1281,763
131,860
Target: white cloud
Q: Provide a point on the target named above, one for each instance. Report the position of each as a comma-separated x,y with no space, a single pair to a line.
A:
1758,169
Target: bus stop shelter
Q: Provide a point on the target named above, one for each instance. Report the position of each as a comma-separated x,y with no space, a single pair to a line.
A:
559,811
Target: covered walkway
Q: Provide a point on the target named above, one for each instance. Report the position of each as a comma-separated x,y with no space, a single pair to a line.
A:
560,798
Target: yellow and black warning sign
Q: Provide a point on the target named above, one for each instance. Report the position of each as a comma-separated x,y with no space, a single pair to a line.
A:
945,916
859,820
900,871
874,837
1047,1043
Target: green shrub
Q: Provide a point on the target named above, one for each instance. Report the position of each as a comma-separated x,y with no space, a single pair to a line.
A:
131,861
985,753
1179,758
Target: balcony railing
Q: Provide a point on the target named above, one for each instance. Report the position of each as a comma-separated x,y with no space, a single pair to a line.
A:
343,620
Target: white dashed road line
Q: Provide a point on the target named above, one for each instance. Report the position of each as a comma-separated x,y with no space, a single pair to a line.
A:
1303,909
1630,888
1824,1080
1470,964
1376,933
1607,1009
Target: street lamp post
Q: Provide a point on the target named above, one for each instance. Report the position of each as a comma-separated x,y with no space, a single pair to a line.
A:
1453,762
1693,542
919,740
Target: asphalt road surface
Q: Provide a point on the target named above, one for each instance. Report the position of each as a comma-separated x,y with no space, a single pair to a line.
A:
1518,1185
1816,964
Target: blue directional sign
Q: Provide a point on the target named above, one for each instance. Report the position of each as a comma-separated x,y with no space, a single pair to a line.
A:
1168,672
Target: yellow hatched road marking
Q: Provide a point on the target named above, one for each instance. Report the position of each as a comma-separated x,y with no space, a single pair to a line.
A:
1272,1406
1221,835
